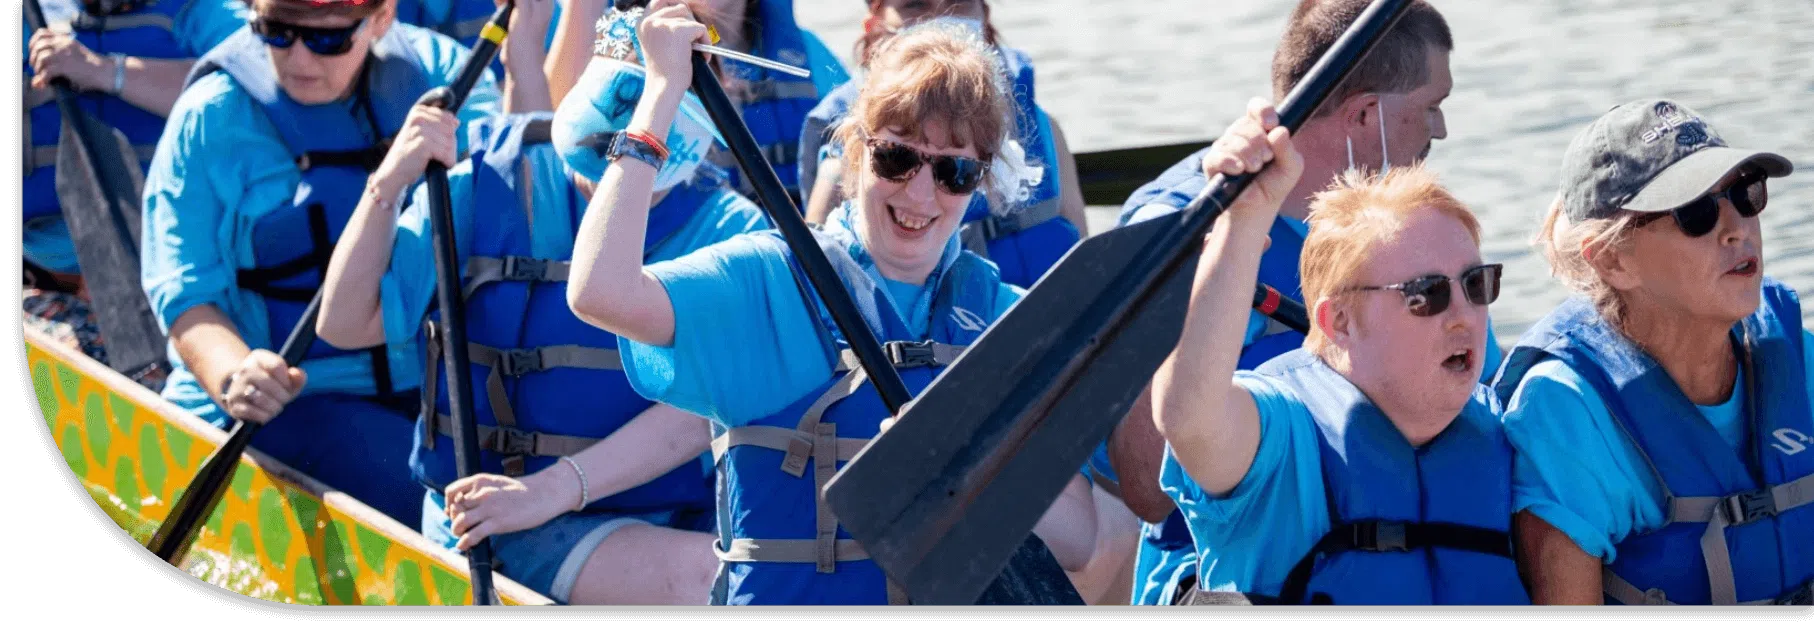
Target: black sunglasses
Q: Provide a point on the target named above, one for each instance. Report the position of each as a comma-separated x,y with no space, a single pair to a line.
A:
1429,295
1748,194
895,162
327,42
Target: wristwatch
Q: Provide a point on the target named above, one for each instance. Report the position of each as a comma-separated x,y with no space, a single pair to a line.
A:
623,144
119,72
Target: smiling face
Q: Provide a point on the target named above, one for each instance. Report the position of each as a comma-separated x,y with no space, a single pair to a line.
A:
1716,277
312,79
905,225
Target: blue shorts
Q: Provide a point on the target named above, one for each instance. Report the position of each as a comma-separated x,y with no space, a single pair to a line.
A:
547,558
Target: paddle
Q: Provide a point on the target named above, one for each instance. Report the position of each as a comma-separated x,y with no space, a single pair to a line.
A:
448,290
941,500
1038,578
98,182
1108,177
172,539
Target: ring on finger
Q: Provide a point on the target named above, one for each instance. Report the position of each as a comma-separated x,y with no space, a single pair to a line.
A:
251,390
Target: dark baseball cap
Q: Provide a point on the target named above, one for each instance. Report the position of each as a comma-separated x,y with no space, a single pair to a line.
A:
1650,155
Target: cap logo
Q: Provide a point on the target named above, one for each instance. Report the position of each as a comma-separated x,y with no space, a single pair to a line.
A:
1689,131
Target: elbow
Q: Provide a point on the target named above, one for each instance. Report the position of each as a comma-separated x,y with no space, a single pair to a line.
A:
587,302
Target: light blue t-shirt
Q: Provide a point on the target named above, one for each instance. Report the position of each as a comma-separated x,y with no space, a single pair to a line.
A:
198,26
744,345
1575,468
220,166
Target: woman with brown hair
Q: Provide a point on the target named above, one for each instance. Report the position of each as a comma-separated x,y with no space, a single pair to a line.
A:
723,333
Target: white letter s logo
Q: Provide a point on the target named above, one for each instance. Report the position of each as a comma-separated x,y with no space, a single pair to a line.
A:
1790,441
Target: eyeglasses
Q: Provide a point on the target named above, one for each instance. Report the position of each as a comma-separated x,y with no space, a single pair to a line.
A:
1429,295
327,42
1748,194
894,162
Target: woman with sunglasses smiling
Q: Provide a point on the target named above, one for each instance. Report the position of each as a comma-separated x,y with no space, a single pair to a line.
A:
1367,467
1024,240
1662,415
724,333
267,151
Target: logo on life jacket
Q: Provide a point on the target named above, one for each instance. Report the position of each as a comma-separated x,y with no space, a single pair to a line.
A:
1790,441
967,320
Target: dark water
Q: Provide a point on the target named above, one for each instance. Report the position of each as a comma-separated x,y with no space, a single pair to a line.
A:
1528,75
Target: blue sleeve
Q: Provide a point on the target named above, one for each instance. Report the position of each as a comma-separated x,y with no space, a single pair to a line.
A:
446,56
744,345
828,72
408,286
202,24
1575,469
1260,528
1009,295
191,189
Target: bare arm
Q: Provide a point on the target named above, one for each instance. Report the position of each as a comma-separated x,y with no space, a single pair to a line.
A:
1555,569
525,81
572,48
1136,451
152,84
608,287
1069,526
1212,425
209,345
351,316
1070,190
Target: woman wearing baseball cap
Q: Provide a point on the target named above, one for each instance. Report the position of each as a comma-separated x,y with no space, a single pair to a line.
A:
1662,415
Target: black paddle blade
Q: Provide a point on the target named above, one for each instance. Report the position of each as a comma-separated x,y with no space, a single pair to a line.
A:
1109,177
940,500
98,184
955,496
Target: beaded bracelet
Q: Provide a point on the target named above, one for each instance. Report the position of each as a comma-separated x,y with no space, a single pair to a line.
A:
583,492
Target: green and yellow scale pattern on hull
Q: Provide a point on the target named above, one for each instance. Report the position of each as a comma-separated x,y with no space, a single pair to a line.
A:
276,535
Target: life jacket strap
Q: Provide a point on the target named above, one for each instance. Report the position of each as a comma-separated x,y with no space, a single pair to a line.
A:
86,21
777,439
486,270
775,550
976,235
1734,510
1623,591
1391,536
367,159
514,442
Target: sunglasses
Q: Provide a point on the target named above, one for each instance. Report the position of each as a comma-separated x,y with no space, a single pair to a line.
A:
895,162
1748,194
1429,295
327,42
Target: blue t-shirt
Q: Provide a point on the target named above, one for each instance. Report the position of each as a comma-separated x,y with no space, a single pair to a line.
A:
1575,468
220,166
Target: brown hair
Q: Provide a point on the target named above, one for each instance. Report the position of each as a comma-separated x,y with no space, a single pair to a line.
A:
295,10
1566,245
872,37
1398,63
936,71
1355,214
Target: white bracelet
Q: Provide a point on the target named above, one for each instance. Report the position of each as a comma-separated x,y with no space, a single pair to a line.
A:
119,72
582,482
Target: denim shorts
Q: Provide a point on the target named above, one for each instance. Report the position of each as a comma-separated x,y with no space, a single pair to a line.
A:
547,558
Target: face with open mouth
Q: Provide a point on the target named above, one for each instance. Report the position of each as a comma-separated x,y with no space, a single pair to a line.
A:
906,224
1408,362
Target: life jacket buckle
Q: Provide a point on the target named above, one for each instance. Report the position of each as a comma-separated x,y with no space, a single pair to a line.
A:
516,362
905,355
1382,536
524,268
1746,507
513,442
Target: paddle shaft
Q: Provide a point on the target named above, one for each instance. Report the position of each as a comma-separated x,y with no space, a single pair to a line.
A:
786,217
449,294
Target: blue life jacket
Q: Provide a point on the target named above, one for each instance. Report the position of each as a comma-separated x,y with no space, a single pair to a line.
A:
1739,524
144,31
1412,525
544,383
1025,242
1278,269
779,542
337,146
462,20
774,104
